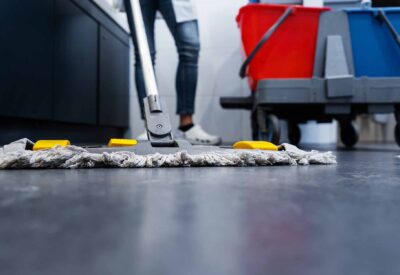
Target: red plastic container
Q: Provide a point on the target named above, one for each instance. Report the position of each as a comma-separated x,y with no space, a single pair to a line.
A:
289,52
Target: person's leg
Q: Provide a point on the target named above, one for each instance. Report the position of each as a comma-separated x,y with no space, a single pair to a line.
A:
149,9
188,45
186,35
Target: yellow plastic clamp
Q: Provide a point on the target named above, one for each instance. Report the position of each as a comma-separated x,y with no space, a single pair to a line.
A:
256,145
118,142
48,144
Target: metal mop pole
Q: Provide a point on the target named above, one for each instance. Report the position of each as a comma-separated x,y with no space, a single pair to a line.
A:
157,121
144,51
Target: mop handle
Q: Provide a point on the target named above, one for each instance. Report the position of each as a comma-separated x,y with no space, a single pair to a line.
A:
390,26
144,51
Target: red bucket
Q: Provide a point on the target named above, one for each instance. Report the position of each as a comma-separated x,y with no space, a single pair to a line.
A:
290,51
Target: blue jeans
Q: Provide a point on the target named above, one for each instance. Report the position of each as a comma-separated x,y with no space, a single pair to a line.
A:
186,36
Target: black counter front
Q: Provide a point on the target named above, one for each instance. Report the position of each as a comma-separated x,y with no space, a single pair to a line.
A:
63,63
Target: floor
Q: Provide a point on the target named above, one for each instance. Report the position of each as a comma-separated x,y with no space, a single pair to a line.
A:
340,219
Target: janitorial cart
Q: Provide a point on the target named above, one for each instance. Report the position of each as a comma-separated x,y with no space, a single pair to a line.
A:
317,64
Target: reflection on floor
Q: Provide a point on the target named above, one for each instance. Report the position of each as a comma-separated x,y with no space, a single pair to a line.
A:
341,219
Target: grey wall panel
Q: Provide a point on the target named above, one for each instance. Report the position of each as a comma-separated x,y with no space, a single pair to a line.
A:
113,81
26,45
75,73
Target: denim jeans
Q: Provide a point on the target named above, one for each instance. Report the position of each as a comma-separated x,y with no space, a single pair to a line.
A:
186,36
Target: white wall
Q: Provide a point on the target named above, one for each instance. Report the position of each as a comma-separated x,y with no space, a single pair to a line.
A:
220,59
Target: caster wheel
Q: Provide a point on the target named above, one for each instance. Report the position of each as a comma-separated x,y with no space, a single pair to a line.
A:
294,133
397,133
269,129
348,134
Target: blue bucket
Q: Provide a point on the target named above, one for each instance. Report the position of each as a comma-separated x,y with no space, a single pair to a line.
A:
376,51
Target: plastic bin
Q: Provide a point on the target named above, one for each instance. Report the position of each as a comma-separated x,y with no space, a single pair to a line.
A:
375,49
290,51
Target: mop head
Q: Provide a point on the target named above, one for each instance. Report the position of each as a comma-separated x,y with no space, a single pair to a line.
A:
78,157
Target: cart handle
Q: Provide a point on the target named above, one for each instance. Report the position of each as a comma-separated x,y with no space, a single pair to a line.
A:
263,40
382,15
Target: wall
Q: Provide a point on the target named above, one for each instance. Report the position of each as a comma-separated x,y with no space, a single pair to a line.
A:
371,131
218,76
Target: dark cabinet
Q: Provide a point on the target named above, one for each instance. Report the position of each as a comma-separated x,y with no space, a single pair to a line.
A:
75,71
64,64
113,81
26,46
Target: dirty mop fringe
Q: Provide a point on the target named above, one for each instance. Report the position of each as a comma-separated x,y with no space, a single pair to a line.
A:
76,157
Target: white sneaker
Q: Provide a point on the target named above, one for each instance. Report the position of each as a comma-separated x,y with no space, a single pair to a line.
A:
142,136
196,135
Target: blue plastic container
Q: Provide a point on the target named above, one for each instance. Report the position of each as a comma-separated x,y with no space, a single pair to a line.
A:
375,50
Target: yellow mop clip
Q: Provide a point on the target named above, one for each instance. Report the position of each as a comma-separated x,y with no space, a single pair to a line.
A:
119,142
48,144
257,145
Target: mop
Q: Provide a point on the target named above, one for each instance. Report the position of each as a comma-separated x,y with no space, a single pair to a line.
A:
19,155
161,149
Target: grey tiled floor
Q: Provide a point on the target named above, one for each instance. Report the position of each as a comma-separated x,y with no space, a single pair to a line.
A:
340,219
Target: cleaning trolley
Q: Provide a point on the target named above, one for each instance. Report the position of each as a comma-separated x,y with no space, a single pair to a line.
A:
307,63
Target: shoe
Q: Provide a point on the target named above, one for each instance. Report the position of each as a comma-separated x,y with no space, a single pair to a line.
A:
197,136
142,136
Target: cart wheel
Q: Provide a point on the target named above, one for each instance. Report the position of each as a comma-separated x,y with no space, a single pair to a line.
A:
294,133
348,133
397,133
269,128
